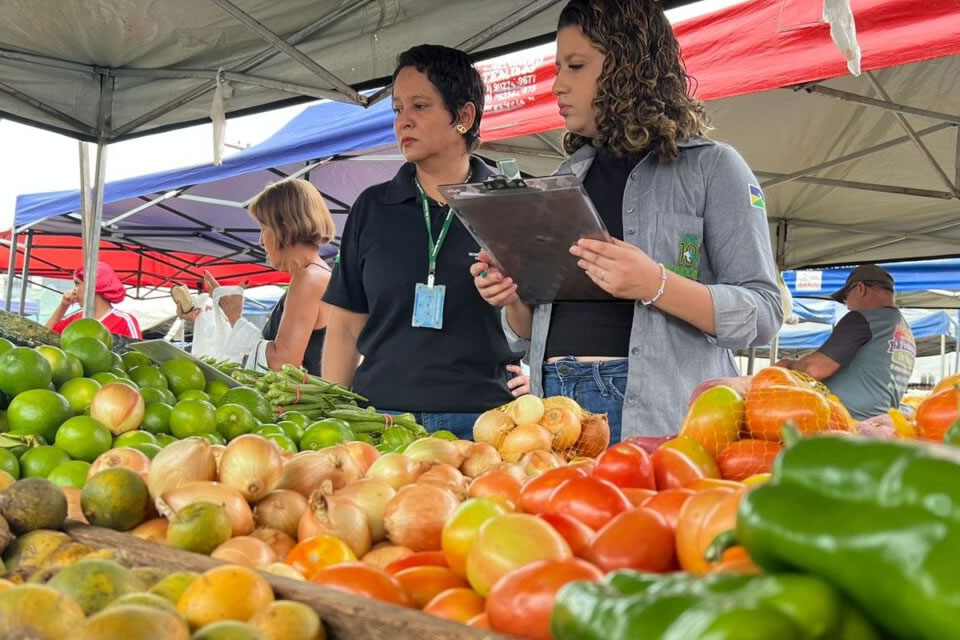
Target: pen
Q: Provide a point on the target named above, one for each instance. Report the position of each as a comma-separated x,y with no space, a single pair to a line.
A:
475,255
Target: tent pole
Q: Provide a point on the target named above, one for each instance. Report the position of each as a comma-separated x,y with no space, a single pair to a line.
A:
751,360
943,357
11,265
25,274
92,241
775,349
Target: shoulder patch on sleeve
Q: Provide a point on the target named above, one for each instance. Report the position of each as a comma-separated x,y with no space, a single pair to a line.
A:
756,197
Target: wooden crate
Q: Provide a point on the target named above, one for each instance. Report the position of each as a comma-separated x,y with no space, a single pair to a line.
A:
345,616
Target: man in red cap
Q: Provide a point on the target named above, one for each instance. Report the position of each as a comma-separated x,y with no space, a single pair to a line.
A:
109,292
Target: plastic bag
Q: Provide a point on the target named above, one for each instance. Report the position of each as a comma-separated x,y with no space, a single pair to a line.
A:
211,329
843,30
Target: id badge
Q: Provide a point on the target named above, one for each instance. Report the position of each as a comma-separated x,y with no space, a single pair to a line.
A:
428,306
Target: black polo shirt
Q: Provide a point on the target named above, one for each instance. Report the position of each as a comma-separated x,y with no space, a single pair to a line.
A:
383,255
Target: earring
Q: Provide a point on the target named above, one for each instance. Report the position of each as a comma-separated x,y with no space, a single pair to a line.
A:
461,129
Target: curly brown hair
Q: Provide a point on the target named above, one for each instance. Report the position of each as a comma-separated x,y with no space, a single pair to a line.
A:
643,96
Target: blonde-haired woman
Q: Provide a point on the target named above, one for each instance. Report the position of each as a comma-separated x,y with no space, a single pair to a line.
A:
294,222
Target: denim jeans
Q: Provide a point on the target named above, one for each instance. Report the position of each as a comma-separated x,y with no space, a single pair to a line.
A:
598,387
460,424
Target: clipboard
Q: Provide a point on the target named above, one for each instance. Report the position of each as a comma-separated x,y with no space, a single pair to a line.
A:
161,351
527,226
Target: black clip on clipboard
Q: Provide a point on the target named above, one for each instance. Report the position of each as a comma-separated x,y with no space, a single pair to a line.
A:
527,226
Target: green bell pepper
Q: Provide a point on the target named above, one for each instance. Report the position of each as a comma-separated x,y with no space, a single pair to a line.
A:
879,519
631,605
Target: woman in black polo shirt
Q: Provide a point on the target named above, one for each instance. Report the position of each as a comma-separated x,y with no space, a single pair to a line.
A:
401,293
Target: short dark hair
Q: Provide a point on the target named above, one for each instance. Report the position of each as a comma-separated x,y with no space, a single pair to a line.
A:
455,78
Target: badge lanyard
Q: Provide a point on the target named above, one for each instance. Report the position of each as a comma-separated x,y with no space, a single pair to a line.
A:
433,248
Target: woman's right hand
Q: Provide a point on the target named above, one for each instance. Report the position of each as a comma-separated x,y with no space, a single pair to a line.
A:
494,287
70,298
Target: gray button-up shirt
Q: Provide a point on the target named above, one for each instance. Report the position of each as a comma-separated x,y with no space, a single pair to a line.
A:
703,216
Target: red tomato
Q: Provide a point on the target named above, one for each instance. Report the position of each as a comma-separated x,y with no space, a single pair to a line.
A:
319,552
495,483
536,492
668,503
422,584
936,414
520,603
363,580
577,534
418,559
458,604
639,539
592,501
638,496
746,458
692,517
479,621
627,466
673,469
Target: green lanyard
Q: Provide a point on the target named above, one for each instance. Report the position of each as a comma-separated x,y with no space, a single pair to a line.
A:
433,248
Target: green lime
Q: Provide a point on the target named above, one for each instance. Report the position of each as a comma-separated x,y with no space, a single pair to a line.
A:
129,383
105,377
193,394
83,438
131,438
152,395
5,345
213,437
70,474
252,399
148,376
156,418
192,418
148,449
38,411
163,439
183,375
40,461
86,328
234,420
79,393
63,367
216,389
133,359
293,430
295,416
286,444
118,362
122,374
22,369
9,463
325,433
93,354
269,429
3,400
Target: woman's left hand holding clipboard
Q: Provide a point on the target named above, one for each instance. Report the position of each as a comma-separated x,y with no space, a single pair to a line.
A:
619,268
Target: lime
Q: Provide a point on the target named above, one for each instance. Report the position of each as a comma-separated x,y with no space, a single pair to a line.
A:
70,474
192,418
193,394
148,376
22,369
79,393
103,377
5,345
163,439
295,416
215,389
40,461
252,399
86,328
234,420
118,361
293,430
83,438
133,359
64,368
128,382
3,400
122,374
269,429
286,444
38,411
152,395
93,354
183,375
9,463
148,449
325,433
131,438
156,418
213,437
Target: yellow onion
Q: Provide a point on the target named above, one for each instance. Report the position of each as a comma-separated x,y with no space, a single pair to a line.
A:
334,516
125,457
524,439
513,469
445,477
218,450
434,450
372,496
153,530
526,409
397,470
479,458
562,402
537,462
241,518
385,553
280,542
252,465
245,550
594,435
308,470
283,570
564,425
74,512
492,427
363,453
118,406
463,446
280,510
416,515
190,460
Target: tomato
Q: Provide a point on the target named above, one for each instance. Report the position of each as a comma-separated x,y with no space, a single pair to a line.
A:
674,469
625,465
696,452
638,496
948,382
536,492
458,604
692,516
495,483
480,621
735,560
713,483
772,376
363,580
462,527
423,584
520,603
745,458
418,559
577,534
722,517
319,552
770,408
714,419
668,503
639,539
840,419
590,500
936,414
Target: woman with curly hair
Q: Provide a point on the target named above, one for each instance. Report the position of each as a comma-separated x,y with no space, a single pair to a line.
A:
689,265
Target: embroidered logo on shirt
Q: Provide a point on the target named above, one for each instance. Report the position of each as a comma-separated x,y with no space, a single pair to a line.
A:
756,197
687,258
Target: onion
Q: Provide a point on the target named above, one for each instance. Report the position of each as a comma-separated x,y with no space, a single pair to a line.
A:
513,469
363,453
434,450
562,402
153,530
415,517
526,409
492,427
280,542
445,477
280,510
180,462
74,512
118,406
245,550
594,435
334,516
397,470
587,464
479,458
283,570
218,450
496,483
536,462
372,496
307,471
524,439
385,553
241,518
563,425
124,457
252,465
463,446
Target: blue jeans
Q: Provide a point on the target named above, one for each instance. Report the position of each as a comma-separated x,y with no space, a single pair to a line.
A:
598,387
460,424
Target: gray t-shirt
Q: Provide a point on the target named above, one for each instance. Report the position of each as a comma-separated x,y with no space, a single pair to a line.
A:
876,352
